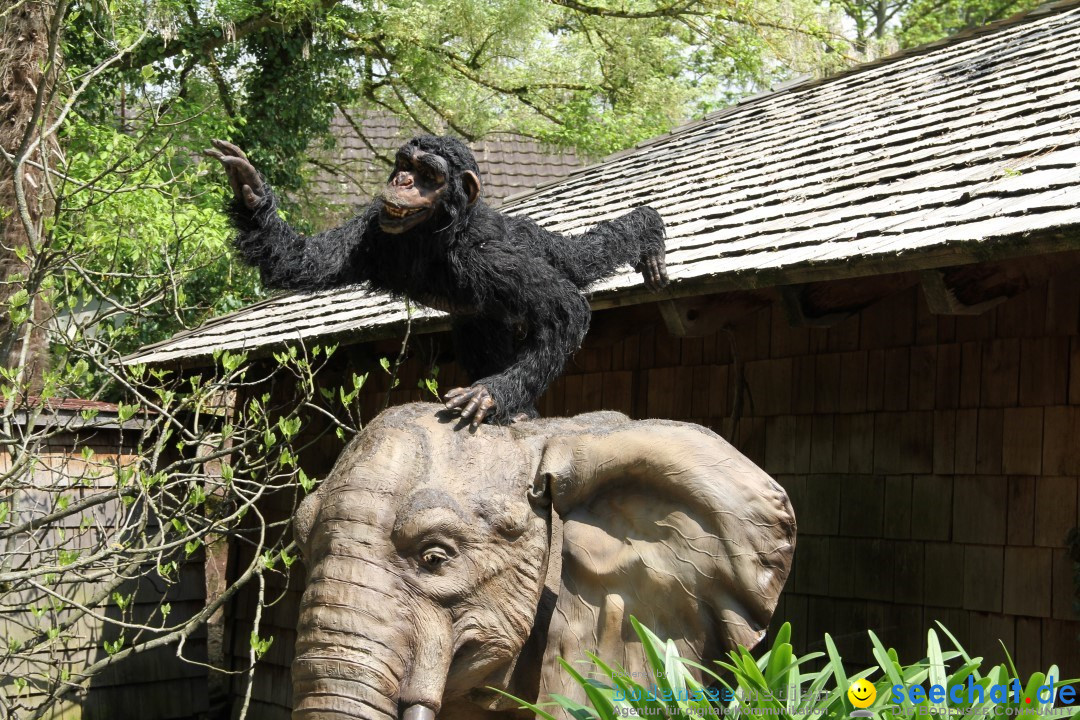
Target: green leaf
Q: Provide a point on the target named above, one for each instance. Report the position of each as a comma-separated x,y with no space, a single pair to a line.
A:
532,707
653,646
126,412
835,663
634,694
111,648
19,299
260,645
779,658
305,482
600,701
936,667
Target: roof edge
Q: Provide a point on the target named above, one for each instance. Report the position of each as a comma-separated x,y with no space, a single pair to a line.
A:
1066,239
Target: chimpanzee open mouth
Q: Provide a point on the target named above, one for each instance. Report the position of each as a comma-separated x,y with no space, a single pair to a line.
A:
396,211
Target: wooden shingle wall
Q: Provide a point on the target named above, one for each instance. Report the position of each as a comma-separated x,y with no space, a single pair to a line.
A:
932,461
154,685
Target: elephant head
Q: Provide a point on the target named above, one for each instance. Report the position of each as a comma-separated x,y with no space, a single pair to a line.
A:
442,562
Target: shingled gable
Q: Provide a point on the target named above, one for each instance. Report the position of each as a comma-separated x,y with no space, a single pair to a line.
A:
947,154
365,144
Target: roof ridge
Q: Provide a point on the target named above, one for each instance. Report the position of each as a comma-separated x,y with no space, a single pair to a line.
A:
806,82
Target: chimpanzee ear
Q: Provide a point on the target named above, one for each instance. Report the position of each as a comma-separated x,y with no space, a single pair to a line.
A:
472,185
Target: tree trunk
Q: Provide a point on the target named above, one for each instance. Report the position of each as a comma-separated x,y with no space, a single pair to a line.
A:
26,76
881,18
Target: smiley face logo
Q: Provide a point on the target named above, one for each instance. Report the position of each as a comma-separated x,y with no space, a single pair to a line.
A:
862,694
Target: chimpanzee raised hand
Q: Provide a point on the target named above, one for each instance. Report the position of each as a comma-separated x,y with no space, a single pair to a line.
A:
513,289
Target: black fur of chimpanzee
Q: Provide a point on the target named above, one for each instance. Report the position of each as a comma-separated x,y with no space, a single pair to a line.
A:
513,289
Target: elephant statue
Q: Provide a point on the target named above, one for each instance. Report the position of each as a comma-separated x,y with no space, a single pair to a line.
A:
441,563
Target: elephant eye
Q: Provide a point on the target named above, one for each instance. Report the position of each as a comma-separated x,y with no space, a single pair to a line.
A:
434,557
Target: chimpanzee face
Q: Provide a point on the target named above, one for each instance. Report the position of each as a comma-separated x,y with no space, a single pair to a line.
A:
411,196
416,185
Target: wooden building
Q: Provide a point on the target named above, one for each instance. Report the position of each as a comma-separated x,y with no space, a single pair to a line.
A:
876,296
77,447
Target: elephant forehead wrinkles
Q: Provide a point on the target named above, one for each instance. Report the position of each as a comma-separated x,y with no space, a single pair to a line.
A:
428,498
379,461
476,463
494,505
358,505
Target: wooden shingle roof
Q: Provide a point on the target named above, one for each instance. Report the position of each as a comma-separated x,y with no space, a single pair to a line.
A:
934,157
364,144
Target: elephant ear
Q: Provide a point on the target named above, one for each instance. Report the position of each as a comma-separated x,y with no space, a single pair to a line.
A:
666,522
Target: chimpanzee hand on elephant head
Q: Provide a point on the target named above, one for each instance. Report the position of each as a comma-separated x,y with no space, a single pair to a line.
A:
474,403
442,564
244,179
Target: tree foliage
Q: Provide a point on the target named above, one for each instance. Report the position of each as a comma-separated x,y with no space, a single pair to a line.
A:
150,81
879,27
924,21
595,76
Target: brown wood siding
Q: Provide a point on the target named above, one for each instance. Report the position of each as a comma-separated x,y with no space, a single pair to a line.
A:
932,461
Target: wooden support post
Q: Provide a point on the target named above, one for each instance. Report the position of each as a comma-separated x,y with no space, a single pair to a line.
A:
824,304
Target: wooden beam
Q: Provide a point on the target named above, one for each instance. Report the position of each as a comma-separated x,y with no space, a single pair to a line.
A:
824,304
974,289
800,313
705,315
941,295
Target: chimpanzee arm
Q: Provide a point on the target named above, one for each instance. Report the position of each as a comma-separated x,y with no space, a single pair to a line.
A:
553,331
636,239
285,258
553,317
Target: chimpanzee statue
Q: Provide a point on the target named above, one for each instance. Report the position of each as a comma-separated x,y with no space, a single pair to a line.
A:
513,289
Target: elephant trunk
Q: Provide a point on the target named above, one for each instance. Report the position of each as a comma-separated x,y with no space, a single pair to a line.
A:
363,655
422,692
